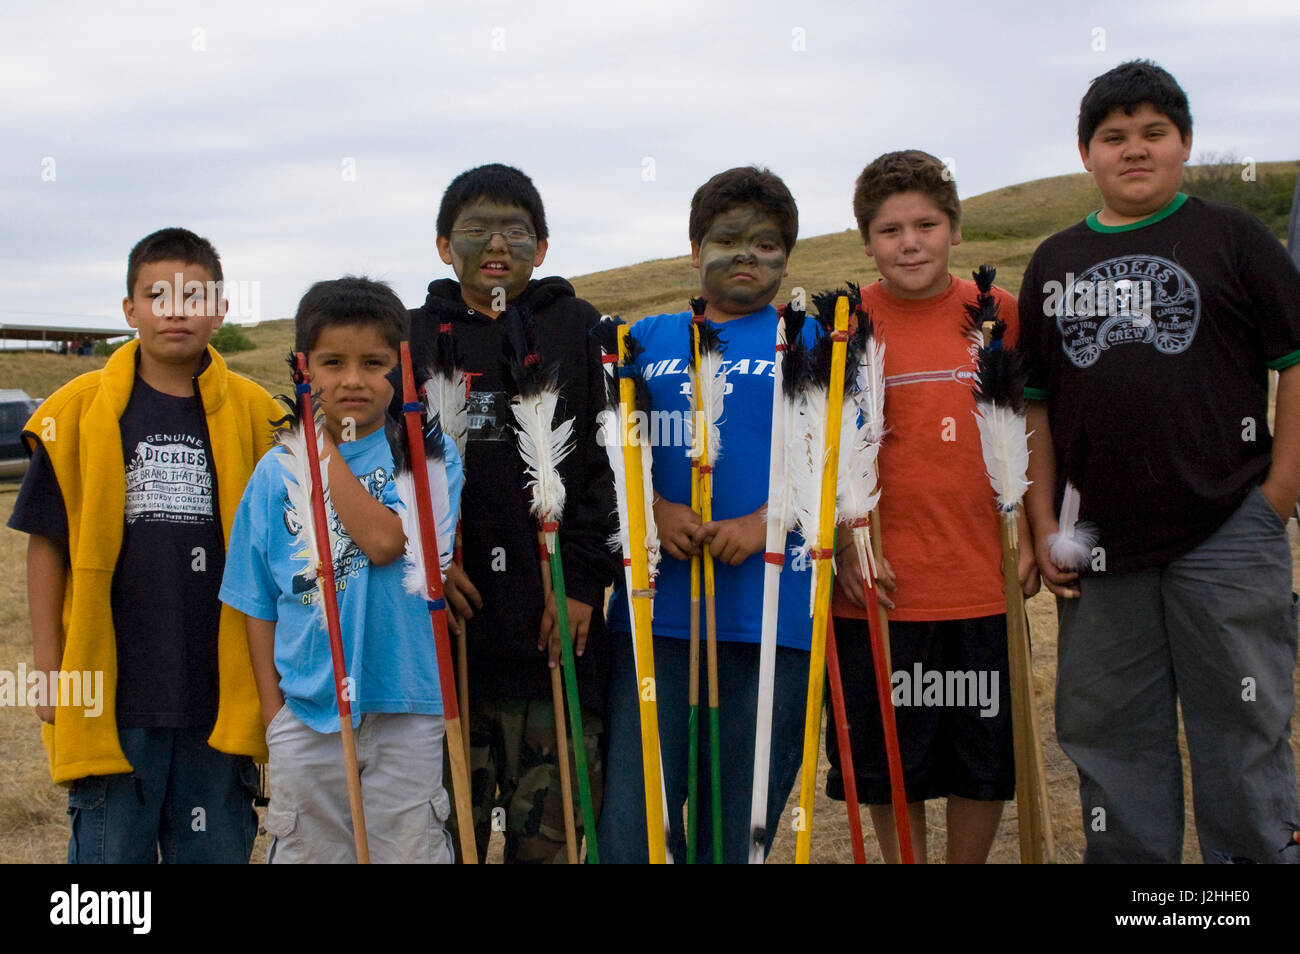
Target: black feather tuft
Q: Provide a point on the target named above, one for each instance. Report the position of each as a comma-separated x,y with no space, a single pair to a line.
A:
710,338
824,303
984,310
1000,377
523,359
855,297
640,387
795,361
442,356
605,332
698,305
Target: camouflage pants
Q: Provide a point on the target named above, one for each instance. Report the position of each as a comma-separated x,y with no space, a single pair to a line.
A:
515,779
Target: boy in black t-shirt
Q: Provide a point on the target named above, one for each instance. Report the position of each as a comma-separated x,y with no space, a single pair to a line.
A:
1150,329
150,708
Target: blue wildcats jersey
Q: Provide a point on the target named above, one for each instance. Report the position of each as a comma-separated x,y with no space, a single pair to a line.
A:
739,476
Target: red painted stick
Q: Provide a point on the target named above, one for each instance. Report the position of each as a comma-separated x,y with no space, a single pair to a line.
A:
438,612
325,584
842,737
897,793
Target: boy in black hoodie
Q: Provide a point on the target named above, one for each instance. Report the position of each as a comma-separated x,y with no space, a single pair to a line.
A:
492,231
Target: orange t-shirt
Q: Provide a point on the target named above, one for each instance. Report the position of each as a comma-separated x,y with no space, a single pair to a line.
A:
938,517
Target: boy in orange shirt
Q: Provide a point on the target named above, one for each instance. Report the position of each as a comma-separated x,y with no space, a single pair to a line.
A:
939,525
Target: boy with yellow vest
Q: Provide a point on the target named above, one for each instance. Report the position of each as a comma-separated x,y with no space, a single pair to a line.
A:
136,473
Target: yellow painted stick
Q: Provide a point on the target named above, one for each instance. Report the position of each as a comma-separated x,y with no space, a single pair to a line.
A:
822,584
641,613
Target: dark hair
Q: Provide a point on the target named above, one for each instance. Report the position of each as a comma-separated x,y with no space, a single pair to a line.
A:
350,300
910,170
744,185
496,183
1127,87
172,244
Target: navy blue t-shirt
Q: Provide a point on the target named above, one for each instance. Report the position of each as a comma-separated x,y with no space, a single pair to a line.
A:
739,477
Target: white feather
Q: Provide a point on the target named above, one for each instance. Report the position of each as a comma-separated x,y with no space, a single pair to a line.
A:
444,397
869,390
542,448
652,550
1005,443
805,460
298,485
414,579
1071,546
859,489
710,388
608,436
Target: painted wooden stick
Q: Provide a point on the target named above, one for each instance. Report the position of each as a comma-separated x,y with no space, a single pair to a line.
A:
845,747
706,394
462,652
325,585
1027,795
778,528
438,613
640,595
1000,417
822,583
551,531
561,728
878,630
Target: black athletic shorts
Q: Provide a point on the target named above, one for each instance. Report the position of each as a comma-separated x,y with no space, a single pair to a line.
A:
953,711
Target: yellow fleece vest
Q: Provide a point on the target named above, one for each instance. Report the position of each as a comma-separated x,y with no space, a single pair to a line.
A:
78,426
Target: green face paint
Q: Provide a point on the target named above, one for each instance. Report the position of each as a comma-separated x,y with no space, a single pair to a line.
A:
491,271
742,262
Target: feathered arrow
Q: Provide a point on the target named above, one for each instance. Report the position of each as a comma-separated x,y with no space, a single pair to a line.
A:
1000,416
820,442
418,436
789,366
708,386
543,445
310,494
629,458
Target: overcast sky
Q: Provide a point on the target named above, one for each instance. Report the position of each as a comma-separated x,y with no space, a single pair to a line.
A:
241,120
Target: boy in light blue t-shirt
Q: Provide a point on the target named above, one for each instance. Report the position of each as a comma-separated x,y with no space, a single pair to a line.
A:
350,330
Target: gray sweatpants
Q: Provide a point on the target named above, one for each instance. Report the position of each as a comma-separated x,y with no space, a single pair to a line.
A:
400,760
1214,630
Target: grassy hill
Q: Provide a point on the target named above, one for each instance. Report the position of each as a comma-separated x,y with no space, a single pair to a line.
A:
1001,228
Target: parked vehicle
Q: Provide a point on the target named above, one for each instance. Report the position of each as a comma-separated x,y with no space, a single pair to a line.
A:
15,408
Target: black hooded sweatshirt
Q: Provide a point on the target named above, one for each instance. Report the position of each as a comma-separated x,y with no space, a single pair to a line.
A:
499,535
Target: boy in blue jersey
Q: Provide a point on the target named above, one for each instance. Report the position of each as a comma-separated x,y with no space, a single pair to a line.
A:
350,330
743,225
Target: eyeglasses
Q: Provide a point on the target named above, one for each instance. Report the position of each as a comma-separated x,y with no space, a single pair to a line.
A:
515,236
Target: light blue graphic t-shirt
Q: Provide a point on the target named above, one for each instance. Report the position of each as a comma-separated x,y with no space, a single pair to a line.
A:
739,477
387,635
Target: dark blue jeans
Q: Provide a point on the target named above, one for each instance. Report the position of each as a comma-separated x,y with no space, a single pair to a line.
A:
185,801
621,830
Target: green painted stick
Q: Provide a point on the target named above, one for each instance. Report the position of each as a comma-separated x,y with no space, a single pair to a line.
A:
571,686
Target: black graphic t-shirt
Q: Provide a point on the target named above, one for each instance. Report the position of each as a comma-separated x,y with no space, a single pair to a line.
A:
165,605
1151,345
